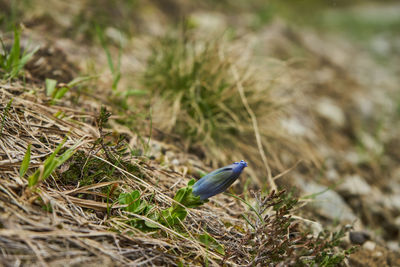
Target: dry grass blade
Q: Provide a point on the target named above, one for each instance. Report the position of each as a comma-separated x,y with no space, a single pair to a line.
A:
255,127
41,223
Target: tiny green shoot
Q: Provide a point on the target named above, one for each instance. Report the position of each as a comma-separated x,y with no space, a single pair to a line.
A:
51,164
12,62
25,162
114,68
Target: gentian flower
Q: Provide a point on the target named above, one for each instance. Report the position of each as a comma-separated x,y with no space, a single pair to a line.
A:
218,181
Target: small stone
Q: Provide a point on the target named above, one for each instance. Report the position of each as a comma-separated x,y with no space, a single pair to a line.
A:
393,245
355,185
358,237
329,203
330,111
392,202
369,245
332,175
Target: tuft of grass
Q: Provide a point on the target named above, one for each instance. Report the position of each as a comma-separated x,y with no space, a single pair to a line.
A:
195,94
13,61
196,82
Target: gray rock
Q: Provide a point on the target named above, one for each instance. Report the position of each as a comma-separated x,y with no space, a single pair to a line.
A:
331,111
355,185
359,237
329,203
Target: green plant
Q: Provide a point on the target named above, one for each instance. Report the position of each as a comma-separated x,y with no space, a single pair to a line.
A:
275,237
12,62
114,68
196,83
177,212
137,206
211,242
25,162
196,96
49,165
171,216
57,92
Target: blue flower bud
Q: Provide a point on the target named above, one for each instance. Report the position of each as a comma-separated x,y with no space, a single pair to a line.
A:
218,181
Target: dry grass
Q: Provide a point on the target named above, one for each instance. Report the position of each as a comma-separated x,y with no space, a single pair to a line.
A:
61,223
224,109
71,220
71,233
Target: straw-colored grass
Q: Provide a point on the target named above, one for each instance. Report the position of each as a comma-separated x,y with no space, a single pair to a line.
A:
224,110
75,229
57,222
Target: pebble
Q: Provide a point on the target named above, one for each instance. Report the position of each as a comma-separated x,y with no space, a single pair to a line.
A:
359,237
369,245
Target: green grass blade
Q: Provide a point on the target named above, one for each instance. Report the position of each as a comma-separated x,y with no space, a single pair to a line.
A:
61,92
115,70
50,86
25,162
52,163
79,80
314,195
14,61
13,57
104,45
22,61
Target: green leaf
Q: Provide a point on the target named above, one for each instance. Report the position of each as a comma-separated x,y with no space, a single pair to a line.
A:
179,196
25,58
210,242
192,182
50,87
135,92
133,202
25,162
179,214
122,198
142,206
61,92
155,217
15,61
78,80
15,51
52,163
186,198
